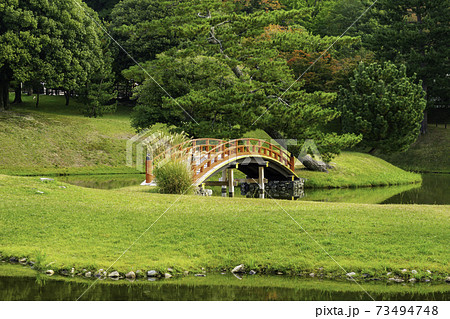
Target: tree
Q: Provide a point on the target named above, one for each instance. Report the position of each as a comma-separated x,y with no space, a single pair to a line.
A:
336,17
138,26
384,105
98,94
230,77
55,43
415,32
102,7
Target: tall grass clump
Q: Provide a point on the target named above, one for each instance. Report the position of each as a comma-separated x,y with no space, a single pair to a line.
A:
173,177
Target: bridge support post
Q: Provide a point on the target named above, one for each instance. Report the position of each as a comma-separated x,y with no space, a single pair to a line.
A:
292,163
261,181
148,170
230,182
223,179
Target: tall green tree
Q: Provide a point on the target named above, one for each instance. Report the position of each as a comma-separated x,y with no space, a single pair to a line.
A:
140,28
229,77
415,32
55,43
383,104
102,7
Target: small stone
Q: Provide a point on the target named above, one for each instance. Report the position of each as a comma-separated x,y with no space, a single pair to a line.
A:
64,272
350,274
72,271
167,275
447,279
114,274
62,187
404,270
186,273
279,273
388,273
428,271
427,280
23,260
50,272
44,179
39,192
398,280
414,271
200,275
169,269
412,280
139,273
13,260
130,275
88,274
311,274
152,273
252,272
238,269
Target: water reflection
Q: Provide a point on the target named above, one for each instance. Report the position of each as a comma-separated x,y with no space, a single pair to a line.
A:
212,287
434,190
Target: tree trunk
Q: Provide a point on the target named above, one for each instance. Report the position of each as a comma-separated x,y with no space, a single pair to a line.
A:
4,94
18,94
67,96
37,99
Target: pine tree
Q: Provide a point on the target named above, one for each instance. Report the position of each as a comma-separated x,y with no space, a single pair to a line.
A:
415,32
384,105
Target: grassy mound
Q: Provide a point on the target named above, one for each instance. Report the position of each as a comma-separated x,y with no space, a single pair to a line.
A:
358,170
56,137
89,228
431,152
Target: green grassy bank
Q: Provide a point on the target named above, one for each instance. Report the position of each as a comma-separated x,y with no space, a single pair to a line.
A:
89,228
430,153
358,170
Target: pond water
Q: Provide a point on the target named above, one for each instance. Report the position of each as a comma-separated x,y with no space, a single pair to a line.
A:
212,287
434,190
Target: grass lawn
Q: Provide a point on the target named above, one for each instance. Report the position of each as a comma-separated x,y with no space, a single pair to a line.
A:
430,153
90,228
55,138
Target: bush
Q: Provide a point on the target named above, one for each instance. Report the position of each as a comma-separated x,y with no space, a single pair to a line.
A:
173,177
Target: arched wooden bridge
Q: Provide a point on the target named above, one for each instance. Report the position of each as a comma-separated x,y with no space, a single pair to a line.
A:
208,156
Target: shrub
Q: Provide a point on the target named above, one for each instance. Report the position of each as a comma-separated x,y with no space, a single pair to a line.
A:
173,177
